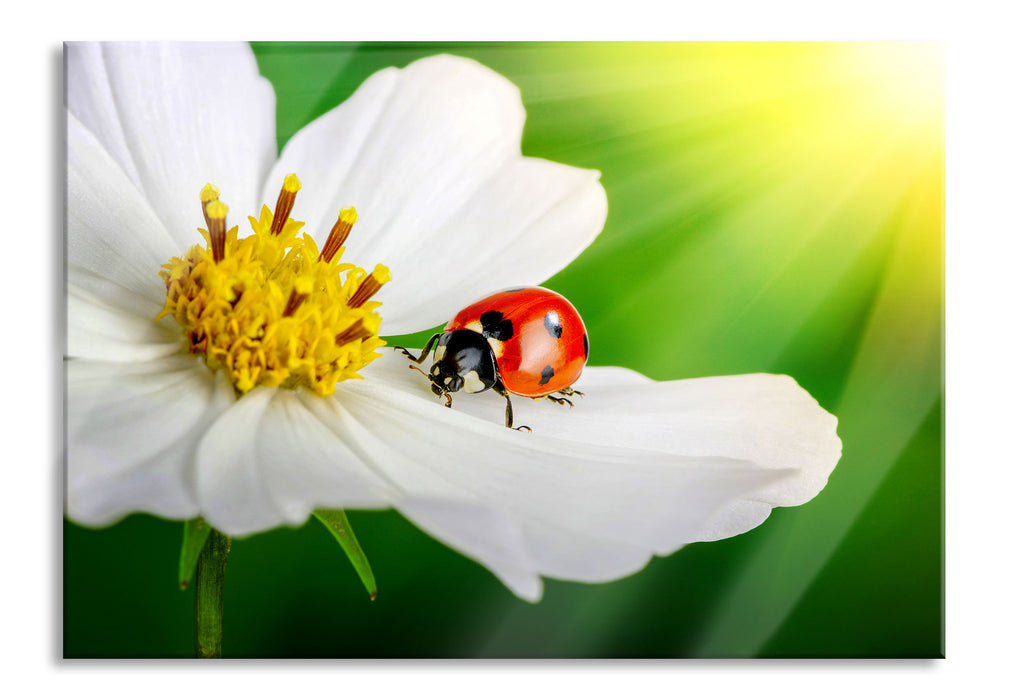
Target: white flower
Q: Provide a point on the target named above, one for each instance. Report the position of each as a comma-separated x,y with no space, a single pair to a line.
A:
430,157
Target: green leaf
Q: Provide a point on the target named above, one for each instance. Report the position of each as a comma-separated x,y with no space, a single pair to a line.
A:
194,536
337,523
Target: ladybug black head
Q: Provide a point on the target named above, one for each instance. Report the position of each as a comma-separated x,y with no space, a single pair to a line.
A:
463,360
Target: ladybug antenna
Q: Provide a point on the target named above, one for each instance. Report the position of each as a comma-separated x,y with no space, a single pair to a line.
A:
421,371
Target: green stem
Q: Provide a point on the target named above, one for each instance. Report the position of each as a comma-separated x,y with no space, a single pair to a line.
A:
210,595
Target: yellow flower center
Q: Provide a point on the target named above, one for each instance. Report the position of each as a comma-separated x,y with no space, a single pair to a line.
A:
272,309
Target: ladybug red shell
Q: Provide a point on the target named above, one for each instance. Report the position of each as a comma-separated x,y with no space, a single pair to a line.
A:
528,341
537,336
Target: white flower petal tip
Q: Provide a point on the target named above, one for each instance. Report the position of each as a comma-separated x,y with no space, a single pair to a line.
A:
430,157
469,528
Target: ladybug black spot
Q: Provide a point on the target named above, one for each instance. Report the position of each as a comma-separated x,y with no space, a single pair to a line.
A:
553,323
495,327
585,338
546,375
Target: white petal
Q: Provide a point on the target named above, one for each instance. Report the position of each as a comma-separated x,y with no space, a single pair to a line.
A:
430,156
231,492
491,538
764,419
525,223
106,322
176,116
383,149
635,468
270,461
588,512
132,429
89,99
111,230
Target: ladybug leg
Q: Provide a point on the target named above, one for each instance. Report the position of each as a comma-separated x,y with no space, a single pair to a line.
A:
563,394
423,353
509,415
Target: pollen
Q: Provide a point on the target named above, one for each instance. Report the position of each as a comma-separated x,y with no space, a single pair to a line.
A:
270,309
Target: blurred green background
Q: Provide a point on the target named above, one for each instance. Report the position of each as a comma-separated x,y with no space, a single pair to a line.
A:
773,208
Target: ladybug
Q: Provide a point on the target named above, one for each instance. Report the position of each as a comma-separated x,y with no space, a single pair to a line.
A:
527,341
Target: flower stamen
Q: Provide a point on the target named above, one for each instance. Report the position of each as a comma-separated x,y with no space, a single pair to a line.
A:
285,203
216,213
338,234
208,194
355,331
371,284
302,288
